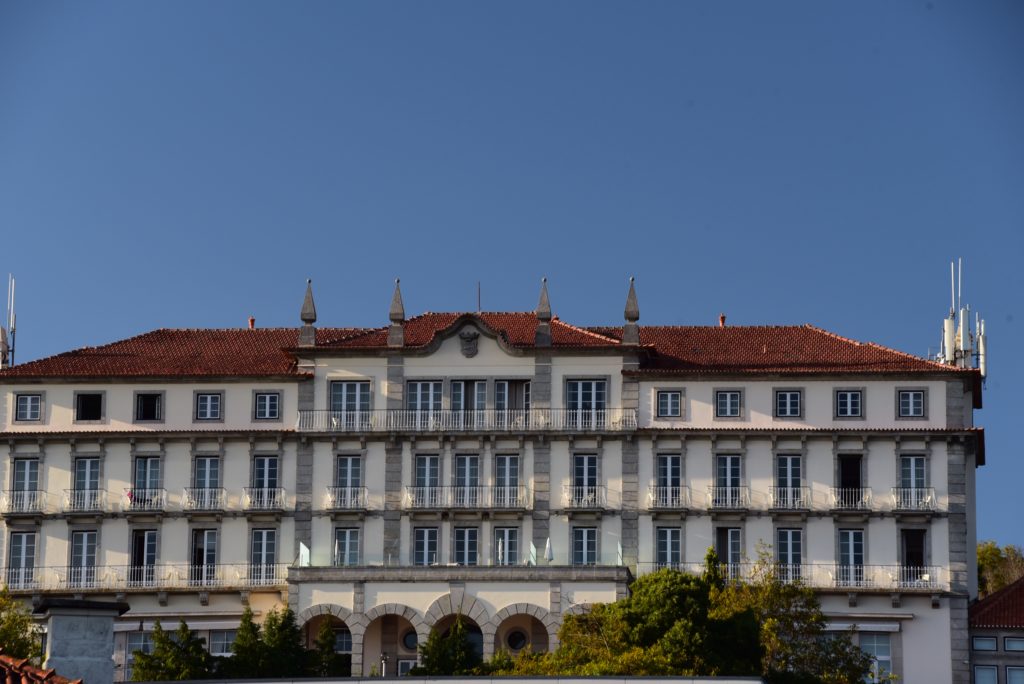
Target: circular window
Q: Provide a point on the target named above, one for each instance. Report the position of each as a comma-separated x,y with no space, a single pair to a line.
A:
409,640
516,640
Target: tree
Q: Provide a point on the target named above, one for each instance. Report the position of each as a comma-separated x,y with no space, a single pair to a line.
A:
284,654
248,654
176,657
998,567
326,661
19,635
450,653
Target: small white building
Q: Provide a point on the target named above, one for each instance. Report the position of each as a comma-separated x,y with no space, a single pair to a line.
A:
509,466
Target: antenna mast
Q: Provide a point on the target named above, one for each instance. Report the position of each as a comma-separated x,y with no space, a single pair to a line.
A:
8,329
961,346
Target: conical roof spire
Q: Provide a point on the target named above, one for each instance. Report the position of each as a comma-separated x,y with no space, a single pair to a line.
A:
544,305
397,311
308,313
631,331
542,336
307,333
396,331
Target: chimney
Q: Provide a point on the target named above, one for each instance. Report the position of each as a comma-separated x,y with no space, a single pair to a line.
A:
542,337
631,331
252,322
721,320
396,333
307,333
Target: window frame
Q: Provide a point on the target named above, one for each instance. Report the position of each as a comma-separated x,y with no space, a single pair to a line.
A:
680,398
161,406
776,394
426,542
256,394
993,639
226,653
900,391
349,529
103,407
861,412
994,669
595,530
471,542
740,407
1017,641
40,407
197,396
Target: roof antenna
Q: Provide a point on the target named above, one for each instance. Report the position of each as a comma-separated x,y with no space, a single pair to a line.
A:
7,328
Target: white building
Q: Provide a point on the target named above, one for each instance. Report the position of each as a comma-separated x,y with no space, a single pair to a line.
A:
508,466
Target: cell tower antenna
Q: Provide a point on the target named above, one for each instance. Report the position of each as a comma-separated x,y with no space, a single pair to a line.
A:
8,329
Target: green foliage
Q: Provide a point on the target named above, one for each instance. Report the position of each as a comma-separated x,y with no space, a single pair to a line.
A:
18,633
674,624
176,657
284,654
248,653
998,567
327,662
448,654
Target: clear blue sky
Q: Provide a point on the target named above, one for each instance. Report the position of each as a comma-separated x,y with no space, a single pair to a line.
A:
187,164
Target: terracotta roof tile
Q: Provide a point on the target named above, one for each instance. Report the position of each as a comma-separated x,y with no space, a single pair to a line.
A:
1003,609
266,352
21,670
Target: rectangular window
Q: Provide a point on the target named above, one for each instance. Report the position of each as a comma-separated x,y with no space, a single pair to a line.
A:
728,545
787,403
26,475
423,396
147,476
221,641
466,490
350,397
506,481
427,491
789,553
203,568
911,403
88,406
984,643
207,473
878,646
82,566
268,406
28,407
728,403
21,560
912,472
149,406
349,474
142,571
208,406
851,558
346,546
669,546
506,545
848,404
265,492
1015,675
263,559
585,491
728,491
670,404
788,482
425,546
586,403
1013,644
86,495
669,491
985,674
465,546
137,641
584,546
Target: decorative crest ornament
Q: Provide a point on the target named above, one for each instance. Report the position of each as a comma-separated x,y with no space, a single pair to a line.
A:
469,339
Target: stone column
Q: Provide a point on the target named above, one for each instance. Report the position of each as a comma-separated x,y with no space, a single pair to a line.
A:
304,476
630,401
80,643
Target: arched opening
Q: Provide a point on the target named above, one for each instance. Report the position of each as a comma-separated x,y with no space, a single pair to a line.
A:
521,632
389,646
341,664
476,635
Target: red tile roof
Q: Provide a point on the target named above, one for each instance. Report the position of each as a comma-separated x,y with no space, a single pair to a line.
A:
1003,609
270,352
20,670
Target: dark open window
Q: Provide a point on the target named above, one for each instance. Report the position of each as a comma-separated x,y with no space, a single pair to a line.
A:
89,406
147,407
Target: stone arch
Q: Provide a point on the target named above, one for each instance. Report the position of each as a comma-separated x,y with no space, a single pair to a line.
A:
551,622
466,605
352,620
410,614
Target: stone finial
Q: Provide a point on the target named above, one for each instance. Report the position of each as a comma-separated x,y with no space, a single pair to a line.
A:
542,337
631,331
307,333
396,332
308,313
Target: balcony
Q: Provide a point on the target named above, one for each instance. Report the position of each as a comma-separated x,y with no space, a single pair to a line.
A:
268,499
729,498
22,502
585,497
913,499
870,578
790,498
135,500
669,498
851,499
513,420
346,498
145,578
203,499
468,497
84,501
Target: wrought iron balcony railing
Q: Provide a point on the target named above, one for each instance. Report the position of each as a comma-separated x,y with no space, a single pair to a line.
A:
146,577
790,498
135,500
23,501
851,499
827,575
671,498
346,498
84,501
585,496
730,498
468,497
263,499
913,499
491,420
204,499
